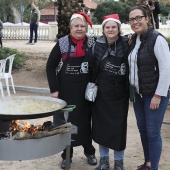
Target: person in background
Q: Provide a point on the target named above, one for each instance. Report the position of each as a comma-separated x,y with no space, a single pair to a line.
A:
1,32
154,10
110,109
149,60
75,51
34,22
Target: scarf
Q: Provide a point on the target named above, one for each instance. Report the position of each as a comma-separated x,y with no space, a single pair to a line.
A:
80,51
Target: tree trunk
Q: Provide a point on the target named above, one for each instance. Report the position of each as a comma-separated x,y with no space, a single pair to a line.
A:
16,14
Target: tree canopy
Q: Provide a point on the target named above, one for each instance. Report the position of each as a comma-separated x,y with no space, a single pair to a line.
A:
122,7
110,7
10,9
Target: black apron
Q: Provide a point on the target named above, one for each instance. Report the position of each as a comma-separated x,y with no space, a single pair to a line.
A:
109,115
73,78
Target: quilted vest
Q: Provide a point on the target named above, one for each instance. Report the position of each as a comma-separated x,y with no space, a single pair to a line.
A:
148,71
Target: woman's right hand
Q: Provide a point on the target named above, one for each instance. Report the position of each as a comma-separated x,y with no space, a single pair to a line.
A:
55,94
155,102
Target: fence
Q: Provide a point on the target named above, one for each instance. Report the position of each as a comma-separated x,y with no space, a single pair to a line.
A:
49,32
22,32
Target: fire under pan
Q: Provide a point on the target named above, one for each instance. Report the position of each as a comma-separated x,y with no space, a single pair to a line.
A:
13,150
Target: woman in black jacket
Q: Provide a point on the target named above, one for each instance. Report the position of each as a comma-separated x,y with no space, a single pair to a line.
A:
110,109
74,51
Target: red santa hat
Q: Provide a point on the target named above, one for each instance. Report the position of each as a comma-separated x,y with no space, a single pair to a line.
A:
81,15
112,17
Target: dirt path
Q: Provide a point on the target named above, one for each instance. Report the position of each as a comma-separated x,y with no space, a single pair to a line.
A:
33,74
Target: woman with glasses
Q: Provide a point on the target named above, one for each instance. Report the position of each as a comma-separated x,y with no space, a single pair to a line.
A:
149,67
72,55
110,109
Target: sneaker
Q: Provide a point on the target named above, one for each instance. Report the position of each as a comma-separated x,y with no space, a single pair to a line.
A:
119,165
63,163
104,164
91,159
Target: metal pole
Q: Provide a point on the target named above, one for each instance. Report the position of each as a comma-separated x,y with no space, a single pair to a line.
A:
22,12
68,157
54,12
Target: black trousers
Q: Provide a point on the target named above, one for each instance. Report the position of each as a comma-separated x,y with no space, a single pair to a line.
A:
88,149
33,28
1,41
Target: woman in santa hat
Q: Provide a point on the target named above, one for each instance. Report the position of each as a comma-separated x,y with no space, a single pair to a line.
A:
110,109
75,53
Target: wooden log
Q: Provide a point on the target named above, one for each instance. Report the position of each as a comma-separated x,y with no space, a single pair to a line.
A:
42,134
23,136
65,128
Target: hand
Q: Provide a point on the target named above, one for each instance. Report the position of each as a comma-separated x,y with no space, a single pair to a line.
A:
129,38
152,8
155,103
55,94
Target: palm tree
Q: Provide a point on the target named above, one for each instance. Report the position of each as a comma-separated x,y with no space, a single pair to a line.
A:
65,10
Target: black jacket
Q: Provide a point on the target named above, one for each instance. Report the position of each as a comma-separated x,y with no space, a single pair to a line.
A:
100,50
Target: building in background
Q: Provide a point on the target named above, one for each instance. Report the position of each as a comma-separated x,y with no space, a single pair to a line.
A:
47,13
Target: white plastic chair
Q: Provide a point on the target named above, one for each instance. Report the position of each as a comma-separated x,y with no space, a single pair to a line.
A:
2,72
8,75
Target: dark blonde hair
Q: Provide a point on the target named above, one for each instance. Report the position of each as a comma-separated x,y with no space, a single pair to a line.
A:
83,19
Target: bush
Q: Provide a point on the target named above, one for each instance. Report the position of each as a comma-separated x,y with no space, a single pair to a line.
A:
168,40
18,60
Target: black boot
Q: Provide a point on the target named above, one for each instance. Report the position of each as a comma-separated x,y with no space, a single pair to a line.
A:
104,164
119,165
63,163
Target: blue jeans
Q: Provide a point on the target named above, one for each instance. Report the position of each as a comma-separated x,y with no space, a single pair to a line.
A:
104,152
149,123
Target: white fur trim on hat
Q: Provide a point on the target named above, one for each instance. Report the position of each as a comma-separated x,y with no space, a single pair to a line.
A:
111,19
76,16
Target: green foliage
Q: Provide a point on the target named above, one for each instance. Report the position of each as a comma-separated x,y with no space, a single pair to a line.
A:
110,7
168,40
94,20
164,9
18,60
28,9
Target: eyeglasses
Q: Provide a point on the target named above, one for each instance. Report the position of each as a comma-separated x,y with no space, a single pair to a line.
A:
137,18
77,26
